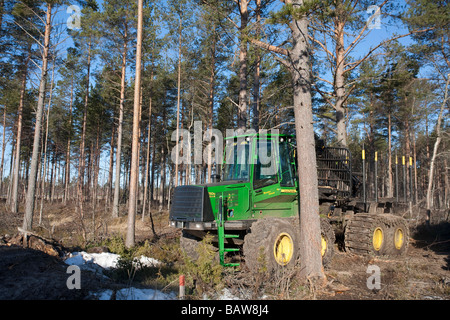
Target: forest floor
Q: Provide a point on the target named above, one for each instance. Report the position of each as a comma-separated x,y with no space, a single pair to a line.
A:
34,273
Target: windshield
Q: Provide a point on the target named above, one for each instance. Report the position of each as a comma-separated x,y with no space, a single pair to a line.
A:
267,169
236,166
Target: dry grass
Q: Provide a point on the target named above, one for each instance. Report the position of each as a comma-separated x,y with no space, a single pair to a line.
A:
422,274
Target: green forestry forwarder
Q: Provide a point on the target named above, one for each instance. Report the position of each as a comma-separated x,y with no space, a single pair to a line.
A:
253,208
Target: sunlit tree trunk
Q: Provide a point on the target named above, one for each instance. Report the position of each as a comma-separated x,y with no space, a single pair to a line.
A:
31,190
135,141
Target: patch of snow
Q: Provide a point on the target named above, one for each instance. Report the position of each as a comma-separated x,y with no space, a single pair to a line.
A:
149,262
105,260
143,294
227,295
136,294
93,261
98,262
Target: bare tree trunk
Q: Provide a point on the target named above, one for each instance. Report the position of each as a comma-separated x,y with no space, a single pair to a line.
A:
212,78
11,170
45,149
96,168
340,82
178,101
81,169
67,170
147,156
162,177
256,84
436,146
310,243
390,176
31,190
152,183
134,148
3,149
242,112
15,185
119,132
111,165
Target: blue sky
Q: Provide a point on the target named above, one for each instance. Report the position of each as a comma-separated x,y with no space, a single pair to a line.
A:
386,30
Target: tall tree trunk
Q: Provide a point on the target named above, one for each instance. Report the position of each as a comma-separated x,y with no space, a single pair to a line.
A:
147,156
212,78
15,186
44,148
390,176
408,154
310,242
242,112
152,183
119,131
339,83
81,169
162,178
134,148
67,170
96,168
256,84
111,166
31,190
178,101
3,149
435,148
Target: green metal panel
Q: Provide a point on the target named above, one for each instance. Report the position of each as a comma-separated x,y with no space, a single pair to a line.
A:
247,200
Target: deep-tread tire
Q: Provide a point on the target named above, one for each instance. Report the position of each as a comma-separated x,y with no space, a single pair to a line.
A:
360,231
259,243
327,232
398,236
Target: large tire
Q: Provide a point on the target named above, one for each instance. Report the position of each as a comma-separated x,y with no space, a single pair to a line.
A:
328,238
398,236
271,244
367,234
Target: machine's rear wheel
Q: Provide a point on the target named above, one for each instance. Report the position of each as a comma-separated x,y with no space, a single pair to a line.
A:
397,236
376,234
367,234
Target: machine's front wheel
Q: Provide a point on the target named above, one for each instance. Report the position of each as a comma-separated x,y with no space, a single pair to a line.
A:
271,244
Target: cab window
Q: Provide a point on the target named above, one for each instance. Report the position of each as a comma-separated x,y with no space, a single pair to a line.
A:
265,168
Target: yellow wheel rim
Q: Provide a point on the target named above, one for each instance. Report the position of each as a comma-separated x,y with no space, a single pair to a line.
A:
398,238
377,239
324,246
283,249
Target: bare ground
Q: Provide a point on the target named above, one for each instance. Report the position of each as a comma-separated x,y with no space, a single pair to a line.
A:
26,273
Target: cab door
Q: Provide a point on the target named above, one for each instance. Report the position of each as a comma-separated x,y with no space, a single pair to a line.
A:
266,179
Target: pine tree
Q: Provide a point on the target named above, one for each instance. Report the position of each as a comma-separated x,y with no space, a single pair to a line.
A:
31,190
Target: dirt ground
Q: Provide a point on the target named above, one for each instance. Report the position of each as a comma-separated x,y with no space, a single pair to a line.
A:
423,274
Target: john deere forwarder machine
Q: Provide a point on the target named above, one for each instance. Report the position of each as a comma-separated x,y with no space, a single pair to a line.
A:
251,211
